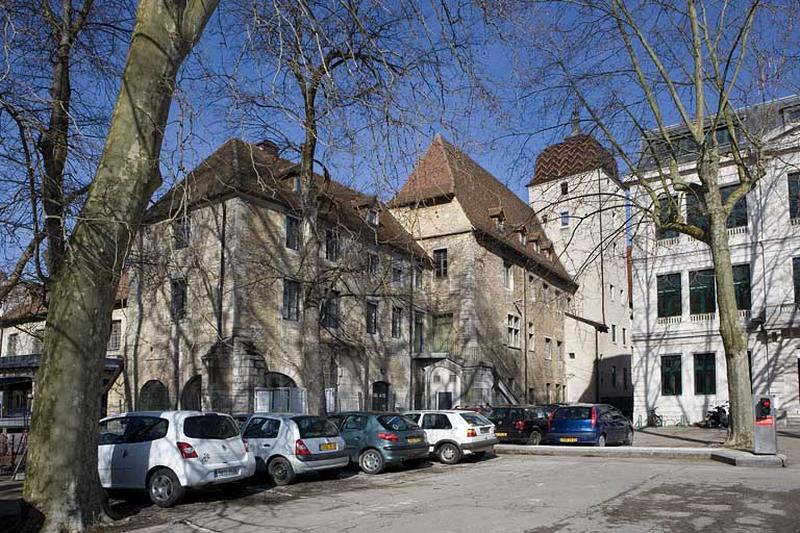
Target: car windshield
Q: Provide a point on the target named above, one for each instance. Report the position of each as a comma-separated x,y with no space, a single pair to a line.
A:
210,426
505,416
475,419
396,423
573,413
315,427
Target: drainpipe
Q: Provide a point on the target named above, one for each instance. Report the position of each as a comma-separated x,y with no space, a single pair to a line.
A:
413,278
525,331
596,366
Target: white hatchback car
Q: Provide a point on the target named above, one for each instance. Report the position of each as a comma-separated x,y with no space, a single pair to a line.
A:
166,452
286,445
453,434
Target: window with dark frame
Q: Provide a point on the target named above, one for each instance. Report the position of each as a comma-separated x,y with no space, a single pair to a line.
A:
397,322
292,232
669,295
373,263
794,194
741,286
330,310
332,245
440,262
796,278
665,206
738,216
613,333
564,217
181,231
564,187
671,375
291,299
702,293
705,373
397,272
178,298
419,332
372,317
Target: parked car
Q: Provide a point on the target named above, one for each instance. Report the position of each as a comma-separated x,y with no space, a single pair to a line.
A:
453,434
375,440
596,424
170,451
520,423
287,445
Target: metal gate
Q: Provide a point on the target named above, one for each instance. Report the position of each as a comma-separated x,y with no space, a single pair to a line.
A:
281,400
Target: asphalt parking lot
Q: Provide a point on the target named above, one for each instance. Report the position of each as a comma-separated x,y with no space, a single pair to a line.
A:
504,493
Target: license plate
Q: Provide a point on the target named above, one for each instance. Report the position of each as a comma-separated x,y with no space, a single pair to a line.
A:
501,434
568,439
484,430
226,472
327,447
414,440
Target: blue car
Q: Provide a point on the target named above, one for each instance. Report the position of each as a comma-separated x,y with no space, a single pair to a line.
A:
595,424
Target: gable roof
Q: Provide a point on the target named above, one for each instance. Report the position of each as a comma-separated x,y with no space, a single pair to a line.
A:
241,168
445,172
575,155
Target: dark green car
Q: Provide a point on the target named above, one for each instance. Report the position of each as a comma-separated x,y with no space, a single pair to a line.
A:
376,440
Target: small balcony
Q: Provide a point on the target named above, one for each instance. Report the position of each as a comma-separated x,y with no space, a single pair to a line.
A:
794,221
668,242
740,230
668,320
702,317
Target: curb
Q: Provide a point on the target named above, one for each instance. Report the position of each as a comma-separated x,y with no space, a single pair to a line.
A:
731,457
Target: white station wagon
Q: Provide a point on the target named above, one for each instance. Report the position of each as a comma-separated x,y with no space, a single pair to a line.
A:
165,452
453,434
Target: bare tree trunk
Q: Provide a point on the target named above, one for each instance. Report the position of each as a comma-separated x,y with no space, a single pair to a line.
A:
61,478
730,326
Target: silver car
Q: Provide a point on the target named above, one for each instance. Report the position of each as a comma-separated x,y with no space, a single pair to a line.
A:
286,445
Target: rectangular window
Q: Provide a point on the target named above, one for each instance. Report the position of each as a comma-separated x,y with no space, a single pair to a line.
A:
738,216
397,322
614,376
548,349
419,332
178,292
560,350
13,344
702,295
373,263
291,299
181,231
419,271
331,245
330,310
613,333
669,295
508,275
564,219
397,274
611,292
443,333
530,337
741,285
512,327
372,317
696,214
440,262
115,339
624,336
705,373
796,276
671,375
564,188
372,217
666,205
292,233
794,195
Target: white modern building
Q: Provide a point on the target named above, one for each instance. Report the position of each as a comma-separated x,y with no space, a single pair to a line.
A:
678,358
577,195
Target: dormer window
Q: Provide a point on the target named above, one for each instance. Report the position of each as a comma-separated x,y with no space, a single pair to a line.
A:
565,188
372,217
791,114
499,223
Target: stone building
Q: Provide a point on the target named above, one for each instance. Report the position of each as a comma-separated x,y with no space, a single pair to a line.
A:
21,333
498,291
576,192
679,365
230,295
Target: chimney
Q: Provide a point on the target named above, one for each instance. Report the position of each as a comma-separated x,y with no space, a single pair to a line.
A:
576,122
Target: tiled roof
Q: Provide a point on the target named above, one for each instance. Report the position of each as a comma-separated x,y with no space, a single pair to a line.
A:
575,155
444,172
240,168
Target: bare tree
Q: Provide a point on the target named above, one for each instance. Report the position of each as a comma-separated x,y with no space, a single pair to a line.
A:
61,478
637,68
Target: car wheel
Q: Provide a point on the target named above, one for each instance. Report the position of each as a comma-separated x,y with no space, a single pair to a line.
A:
535,438
449,453
164,488
281,471
330,473
629,437
601,441
371,462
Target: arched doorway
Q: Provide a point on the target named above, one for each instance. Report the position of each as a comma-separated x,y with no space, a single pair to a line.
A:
276,380
380,396
154,396
191,397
